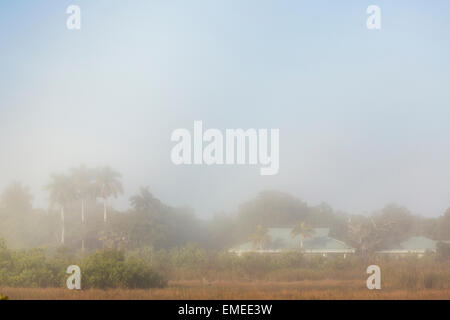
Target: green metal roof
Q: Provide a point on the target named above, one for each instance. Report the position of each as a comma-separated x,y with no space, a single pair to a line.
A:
413,244
281,240
418,243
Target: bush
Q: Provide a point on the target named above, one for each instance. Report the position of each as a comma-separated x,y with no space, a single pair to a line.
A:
28,269
110,269
106,269
443,250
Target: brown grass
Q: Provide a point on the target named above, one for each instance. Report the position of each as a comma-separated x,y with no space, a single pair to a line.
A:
229,290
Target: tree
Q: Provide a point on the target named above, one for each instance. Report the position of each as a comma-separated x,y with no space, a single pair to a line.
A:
270,209
145,201
397,223
385,229
62,192
107,184
221,232
442,231
303,230
368,236
16,213
82,180
260,238
443,250
16,199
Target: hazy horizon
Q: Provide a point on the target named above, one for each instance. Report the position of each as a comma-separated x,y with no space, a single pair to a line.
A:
363,115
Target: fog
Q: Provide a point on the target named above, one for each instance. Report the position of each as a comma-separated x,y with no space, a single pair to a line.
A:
214,150
363,116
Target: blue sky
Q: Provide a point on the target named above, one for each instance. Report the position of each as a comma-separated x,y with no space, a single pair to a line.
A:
363,115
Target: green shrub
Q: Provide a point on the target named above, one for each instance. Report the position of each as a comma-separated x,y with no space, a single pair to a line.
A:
138,275
110,269
443,250
106,269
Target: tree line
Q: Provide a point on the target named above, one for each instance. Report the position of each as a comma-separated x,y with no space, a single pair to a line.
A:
80,218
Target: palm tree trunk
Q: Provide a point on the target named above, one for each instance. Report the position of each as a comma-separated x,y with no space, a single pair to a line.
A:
83,218
105,212
83,222
62,225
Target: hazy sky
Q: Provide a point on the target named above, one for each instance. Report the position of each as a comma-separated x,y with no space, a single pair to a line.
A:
364,116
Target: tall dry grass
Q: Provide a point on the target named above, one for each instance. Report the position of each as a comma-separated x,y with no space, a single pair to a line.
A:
239,290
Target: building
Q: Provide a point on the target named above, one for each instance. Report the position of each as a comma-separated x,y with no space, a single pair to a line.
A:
282,241
412,246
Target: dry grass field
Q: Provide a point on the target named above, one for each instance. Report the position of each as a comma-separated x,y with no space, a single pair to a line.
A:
229,290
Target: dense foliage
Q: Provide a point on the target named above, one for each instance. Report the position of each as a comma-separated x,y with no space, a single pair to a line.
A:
149,268
149,222
105,269
110,269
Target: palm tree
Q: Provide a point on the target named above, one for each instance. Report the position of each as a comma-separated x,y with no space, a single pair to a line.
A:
145,201
107,184
61,193
303,230
260,238
82,180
